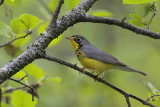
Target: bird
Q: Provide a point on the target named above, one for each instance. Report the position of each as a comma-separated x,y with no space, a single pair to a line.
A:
96,60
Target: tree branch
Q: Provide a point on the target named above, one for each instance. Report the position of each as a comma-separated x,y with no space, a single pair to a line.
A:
154,13
33,93
75,67
78,14
120,23
28,33
127,100
37,49
55,15
57,11
152,97
13,89
19,81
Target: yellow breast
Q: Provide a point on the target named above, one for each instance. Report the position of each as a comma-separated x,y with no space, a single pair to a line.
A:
93,64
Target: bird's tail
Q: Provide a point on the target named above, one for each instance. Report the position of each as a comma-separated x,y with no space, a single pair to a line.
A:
129,69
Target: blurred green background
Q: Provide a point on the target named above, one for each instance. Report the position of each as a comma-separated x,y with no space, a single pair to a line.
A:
74,90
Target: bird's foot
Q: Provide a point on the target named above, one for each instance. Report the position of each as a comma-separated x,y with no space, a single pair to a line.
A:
83,70
98,75
95,79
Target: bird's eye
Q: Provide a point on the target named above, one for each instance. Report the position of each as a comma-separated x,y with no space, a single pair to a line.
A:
77,39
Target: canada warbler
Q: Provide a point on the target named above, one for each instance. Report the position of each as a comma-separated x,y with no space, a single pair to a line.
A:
95,59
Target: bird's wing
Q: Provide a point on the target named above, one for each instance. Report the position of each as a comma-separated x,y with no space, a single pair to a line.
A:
93,52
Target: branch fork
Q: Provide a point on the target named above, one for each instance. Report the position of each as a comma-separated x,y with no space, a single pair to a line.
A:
55,28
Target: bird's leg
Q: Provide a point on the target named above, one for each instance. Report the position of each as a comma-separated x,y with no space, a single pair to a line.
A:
97,76
87,68
83,70
103,75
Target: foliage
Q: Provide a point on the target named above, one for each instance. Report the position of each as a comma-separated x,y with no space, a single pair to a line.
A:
74,88
5,30
153,93
22,99
30,21
141,13
18,28
102,13
17,25
137,1
12,2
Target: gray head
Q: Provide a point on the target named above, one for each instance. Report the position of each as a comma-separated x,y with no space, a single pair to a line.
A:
80,40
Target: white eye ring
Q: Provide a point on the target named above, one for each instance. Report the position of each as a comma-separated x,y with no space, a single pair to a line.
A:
78,39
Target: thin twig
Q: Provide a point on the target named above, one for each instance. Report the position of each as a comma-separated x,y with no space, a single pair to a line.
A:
50,29
73,66
23,78
76,15
45,6
127,100
151,97
1,2
123,19
35,85
56,12
18,81
28,33
154,13
10,90
37,49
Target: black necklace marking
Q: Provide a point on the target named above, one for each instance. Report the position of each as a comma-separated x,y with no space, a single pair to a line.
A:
77,51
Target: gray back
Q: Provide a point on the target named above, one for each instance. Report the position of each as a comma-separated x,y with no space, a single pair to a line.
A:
94,53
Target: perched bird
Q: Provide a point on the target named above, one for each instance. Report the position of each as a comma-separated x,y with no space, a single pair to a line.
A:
96,60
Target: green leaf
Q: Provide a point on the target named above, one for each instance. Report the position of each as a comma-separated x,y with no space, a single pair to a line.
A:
17,25
102,13
156,102
70,4
20,74
12,2
137,22
151,88
30,21
135,16
137,1
42,27
4,105
55,41
52,5
20,98
143,9
55,79
22,41
34,71
5,30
